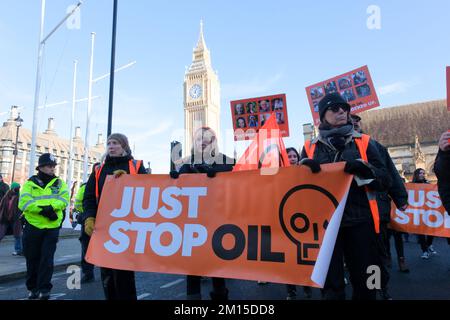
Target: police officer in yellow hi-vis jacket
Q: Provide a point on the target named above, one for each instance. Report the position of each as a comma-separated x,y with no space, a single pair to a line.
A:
43,200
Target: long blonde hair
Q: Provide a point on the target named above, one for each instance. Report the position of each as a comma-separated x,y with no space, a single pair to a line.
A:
213,150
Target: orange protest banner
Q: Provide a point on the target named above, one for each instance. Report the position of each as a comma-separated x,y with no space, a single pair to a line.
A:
425,213
241,225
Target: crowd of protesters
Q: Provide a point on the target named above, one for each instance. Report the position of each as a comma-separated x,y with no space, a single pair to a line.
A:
34,213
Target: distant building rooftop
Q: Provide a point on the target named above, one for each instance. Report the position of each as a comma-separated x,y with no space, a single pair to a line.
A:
399,125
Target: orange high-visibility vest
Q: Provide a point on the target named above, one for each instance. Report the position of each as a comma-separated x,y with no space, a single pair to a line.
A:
362,145
133,165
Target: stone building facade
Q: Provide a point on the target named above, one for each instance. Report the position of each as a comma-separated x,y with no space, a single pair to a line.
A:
48,141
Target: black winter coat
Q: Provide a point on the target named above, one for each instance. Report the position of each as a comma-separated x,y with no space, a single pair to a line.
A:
226,165
10,213
357,209
4,188
397,192
442,171
9,210
112,164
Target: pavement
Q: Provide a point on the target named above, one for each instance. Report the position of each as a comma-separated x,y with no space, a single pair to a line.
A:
68,252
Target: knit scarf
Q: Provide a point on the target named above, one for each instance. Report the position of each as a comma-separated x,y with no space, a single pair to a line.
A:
336,137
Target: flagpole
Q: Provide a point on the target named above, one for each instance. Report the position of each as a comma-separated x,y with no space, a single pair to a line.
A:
88,117
36,91
72,118
42,42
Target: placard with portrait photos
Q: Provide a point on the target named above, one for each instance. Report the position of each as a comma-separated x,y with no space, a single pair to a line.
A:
355,86
249,115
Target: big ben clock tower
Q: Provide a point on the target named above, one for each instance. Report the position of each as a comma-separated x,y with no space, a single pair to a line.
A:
201,94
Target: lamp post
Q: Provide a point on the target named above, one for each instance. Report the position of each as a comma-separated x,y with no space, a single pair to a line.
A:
18,121
113,62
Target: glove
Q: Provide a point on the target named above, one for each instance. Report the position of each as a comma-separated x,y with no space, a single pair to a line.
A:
211,173
314,165
89,225
359,168
48,212
119,173
174,174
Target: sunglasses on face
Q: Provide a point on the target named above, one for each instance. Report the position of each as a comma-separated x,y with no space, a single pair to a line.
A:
336,107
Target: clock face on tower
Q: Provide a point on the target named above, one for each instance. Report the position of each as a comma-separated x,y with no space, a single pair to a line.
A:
196,91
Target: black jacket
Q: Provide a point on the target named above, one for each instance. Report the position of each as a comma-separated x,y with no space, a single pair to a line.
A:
112,164
357,209
442,171
4,188
9,210
226,164
397,192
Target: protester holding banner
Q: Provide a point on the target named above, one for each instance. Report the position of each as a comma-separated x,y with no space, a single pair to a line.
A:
357,239
425,241
205,158
442,169
294,159
397,193
117,284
